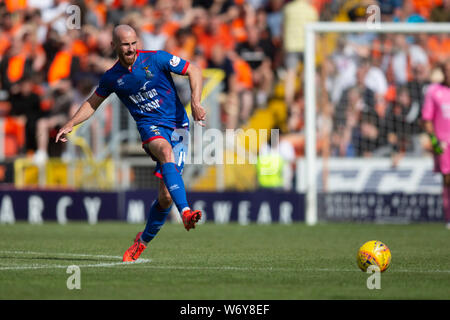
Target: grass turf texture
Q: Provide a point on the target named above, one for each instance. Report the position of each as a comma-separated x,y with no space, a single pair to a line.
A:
222,262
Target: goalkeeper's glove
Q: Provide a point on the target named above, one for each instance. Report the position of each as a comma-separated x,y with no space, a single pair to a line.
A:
436,145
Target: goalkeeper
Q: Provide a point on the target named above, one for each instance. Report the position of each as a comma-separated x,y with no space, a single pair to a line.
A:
436,116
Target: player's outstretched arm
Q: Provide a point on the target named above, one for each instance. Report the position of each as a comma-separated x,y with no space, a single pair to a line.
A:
86,110
196,82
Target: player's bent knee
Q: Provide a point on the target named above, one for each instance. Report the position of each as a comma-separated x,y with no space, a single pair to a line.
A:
166,155
165,201
161,150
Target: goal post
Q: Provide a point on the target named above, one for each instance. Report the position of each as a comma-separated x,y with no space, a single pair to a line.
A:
311,32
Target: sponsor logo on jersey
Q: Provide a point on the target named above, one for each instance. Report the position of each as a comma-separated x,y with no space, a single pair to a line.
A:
146,99
144,87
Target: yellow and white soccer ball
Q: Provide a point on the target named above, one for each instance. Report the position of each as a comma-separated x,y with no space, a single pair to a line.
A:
374,252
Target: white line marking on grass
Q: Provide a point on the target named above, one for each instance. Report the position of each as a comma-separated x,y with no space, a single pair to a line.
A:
392,270
56,266
63,254
269,269
169,267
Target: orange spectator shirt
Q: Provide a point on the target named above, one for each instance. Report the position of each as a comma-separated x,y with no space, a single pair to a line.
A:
80,50
423,7
243,73
4,43
16,67
60,67
14,5
170,28
238,30
438,49
207,41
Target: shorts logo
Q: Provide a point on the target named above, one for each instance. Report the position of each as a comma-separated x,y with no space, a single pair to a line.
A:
155,130
175,61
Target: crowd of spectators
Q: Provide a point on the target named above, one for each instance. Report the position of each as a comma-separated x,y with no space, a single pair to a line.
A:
370,86
376,83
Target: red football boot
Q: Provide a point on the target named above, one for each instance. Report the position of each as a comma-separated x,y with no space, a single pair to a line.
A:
190,218
133,252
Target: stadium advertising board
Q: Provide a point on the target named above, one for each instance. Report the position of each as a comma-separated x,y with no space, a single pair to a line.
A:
356,190
133,206
37,206
373,190
377,207
411,175
241,207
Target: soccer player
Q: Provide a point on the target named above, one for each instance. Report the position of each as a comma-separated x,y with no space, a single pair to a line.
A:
436,116
143,82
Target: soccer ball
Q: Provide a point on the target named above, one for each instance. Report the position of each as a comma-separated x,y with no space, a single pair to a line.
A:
373,253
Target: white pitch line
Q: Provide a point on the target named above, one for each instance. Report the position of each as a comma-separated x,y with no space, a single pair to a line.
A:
56,266
62,254
269,269
169,267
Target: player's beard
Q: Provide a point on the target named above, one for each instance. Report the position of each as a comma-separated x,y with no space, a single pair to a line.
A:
129,57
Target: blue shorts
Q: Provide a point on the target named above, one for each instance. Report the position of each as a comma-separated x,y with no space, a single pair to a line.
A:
178,139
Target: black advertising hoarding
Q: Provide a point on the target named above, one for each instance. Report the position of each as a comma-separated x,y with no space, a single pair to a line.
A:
38,206
263,207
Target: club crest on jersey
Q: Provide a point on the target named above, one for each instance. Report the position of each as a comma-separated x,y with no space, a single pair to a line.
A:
148,73
175,61
120,82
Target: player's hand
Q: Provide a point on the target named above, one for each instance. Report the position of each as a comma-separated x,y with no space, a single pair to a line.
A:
199,114
67,128
436,145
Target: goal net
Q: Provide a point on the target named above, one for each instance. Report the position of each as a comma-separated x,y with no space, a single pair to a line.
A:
367,157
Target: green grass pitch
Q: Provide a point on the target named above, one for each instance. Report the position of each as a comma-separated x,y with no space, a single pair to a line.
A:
256,262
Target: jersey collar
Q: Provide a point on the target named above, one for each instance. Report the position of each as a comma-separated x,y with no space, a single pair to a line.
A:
132,66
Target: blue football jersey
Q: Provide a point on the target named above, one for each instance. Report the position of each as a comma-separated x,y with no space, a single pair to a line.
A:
147,89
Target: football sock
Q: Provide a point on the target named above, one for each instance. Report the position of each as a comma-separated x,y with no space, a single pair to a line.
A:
155,221
174,183
446,203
